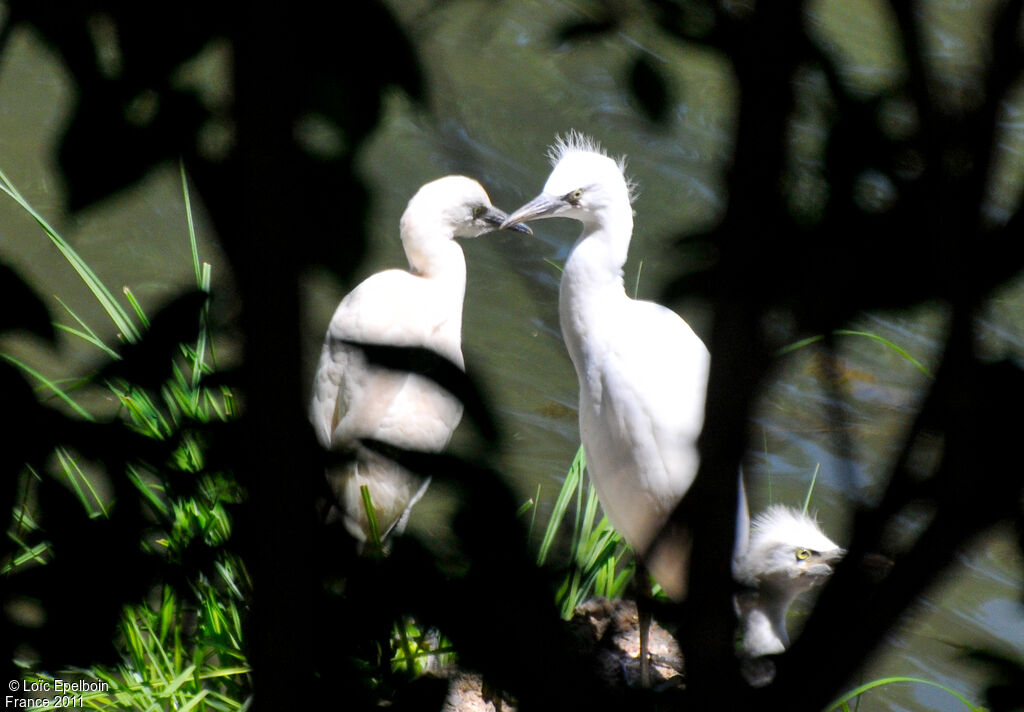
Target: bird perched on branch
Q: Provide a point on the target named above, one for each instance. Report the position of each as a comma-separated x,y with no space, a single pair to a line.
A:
422,307
642,370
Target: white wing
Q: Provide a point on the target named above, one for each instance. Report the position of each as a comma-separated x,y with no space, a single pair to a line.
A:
641,412
353,400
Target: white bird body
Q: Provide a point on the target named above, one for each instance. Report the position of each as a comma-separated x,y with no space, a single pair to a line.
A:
353,400
643,377
641,410
642,370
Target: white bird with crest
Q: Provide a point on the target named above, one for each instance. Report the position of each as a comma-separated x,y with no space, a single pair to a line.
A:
783,554
643,376
642,370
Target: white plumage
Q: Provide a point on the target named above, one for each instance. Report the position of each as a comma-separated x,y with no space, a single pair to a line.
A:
643,378
786,554
642,370
420,307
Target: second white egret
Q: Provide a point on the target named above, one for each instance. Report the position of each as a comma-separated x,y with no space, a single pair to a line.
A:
353,400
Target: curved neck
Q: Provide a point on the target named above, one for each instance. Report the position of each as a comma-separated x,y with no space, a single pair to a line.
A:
610,228
434,256
763,617
593,276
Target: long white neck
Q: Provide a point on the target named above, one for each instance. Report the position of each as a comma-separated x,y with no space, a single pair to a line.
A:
435,257
763,621
592,279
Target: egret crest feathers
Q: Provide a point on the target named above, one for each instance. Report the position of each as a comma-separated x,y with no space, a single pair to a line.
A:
575,142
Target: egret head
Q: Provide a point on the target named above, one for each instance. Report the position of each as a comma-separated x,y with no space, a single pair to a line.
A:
453,206
584,184
788,552
449,207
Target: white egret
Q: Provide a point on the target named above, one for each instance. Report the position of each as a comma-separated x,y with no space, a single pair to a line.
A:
422,307
784,554
642,370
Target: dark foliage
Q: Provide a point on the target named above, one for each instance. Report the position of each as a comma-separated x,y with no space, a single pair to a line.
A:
147,363
316,608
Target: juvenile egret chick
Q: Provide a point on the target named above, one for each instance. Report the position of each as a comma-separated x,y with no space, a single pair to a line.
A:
420,307
642,370
787,553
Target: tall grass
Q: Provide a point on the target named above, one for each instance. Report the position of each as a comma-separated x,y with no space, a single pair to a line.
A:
595,561
176,654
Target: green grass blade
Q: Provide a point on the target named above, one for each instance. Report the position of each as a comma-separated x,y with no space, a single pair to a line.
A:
194,701
75,475
28,553
553,264
175,684
371,516
193,243
50,385
797,345
199,357
114,310
533,514
886,342
525,507
843,702
586,525
86,332
146,490
565,494
130,296
810,488
202,271
89,338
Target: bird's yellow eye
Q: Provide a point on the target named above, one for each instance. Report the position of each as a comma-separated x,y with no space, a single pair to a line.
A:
575,196
479,211
802,554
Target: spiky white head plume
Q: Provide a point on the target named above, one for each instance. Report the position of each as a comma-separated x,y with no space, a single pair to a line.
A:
787,553
787,548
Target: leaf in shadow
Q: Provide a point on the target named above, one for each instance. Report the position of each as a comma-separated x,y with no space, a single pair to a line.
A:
147,363
24,309
28,437
93,169
650,90
97,566
587,29
1005,691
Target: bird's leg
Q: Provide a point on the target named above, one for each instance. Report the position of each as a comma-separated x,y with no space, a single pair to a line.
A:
642,582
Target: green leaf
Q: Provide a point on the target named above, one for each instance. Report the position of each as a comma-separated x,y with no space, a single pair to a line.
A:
857,691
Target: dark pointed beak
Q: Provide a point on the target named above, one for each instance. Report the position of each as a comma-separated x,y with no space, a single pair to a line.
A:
834,557
543,206
499,220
